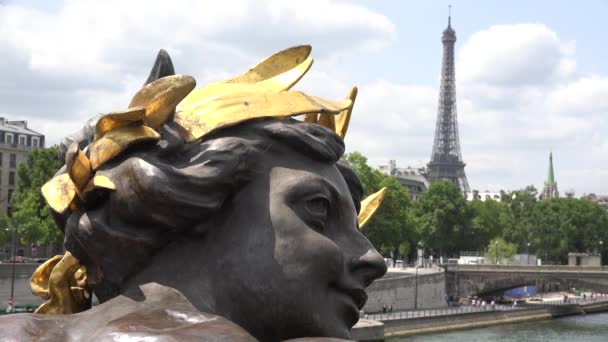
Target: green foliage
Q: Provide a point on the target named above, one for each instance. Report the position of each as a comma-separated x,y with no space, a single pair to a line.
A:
499,250
5,236
446,223
391,227
490,219
30,212
443,218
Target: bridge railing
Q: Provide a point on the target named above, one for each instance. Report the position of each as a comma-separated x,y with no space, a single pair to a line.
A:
517,268
576,300
463,309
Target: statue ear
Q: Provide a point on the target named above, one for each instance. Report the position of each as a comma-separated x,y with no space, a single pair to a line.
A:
162,67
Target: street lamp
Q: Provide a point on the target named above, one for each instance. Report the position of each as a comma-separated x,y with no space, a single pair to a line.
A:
416,291
12,259
496,251
527,254
601,245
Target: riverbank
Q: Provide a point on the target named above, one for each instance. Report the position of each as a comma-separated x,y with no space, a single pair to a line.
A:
416,325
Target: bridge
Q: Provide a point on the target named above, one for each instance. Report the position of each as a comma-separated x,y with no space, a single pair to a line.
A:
466,280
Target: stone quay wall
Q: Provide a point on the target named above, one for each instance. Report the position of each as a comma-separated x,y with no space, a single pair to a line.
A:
22,290
399,290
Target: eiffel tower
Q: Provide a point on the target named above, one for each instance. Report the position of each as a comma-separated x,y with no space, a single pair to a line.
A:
446,160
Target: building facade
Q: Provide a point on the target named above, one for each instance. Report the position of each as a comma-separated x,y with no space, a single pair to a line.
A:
16,142
414,179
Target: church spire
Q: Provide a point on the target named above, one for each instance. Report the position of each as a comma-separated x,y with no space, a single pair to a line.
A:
550,189
550,176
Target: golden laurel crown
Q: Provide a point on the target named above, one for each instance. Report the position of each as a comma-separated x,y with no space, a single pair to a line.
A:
261,92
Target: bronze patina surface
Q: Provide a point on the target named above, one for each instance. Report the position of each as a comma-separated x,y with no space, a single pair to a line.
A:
208,215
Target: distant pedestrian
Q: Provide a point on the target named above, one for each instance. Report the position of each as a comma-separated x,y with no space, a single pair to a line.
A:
493,304
390,308
384,308
9,308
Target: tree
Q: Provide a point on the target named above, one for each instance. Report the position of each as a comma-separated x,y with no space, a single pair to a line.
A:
499,250
29,210
522,204
369,177
491,219
391,229
564,225
443,217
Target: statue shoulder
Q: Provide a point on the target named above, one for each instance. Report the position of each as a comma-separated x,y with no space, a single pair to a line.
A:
161,313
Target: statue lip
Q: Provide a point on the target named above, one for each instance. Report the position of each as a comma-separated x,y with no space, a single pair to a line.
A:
358,295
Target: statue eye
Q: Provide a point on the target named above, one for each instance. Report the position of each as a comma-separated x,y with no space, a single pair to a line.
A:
317,209
318,206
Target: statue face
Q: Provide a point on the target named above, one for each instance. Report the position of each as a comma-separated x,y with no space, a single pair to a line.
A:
302,263
287,259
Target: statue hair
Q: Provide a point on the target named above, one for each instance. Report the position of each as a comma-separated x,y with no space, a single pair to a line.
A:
171,188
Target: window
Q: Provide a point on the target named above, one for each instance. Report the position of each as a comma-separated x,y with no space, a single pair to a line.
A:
9,138
10,195
1,157
11,179
22,140
35,142
13,160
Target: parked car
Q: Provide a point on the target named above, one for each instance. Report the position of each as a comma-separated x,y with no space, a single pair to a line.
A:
17,260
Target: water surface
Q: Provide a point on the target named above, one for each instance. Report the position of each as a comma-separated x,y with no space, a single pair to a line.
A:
589,328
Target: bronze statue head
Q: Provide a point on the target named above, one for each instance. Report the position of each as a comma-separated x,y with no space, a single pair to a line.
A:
255,220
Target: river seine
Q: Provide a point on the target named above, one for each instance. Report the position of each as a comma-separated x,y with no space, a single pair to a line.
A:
589,328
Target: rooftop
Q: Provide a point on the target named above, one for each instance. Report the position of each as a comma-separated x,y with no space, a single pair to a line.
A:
19,127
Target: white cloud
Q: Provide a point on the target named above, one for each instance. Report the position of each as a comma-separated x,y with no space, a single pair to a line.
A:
393,121
516,55
518,98
519,91
523,98
87,57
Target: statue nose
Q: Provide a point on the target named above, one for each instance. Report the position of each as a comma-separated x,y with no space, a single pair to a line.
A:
369,266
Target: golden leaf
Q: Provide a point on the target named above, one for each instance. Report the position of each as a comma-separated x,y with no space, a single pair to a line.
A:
289,78
99,181
114,142
59,192
278,63
39,281
369,206
311,118
78,166
232,108
161,106
61,290
327,120
119,119
343,119
147,93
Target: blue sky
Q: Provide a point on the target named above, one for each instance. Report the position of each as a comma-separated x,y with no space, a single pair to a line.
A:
532,76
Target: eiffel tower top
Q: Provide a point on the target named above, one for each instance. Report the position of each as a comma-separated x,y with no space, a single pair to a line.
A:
449,34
